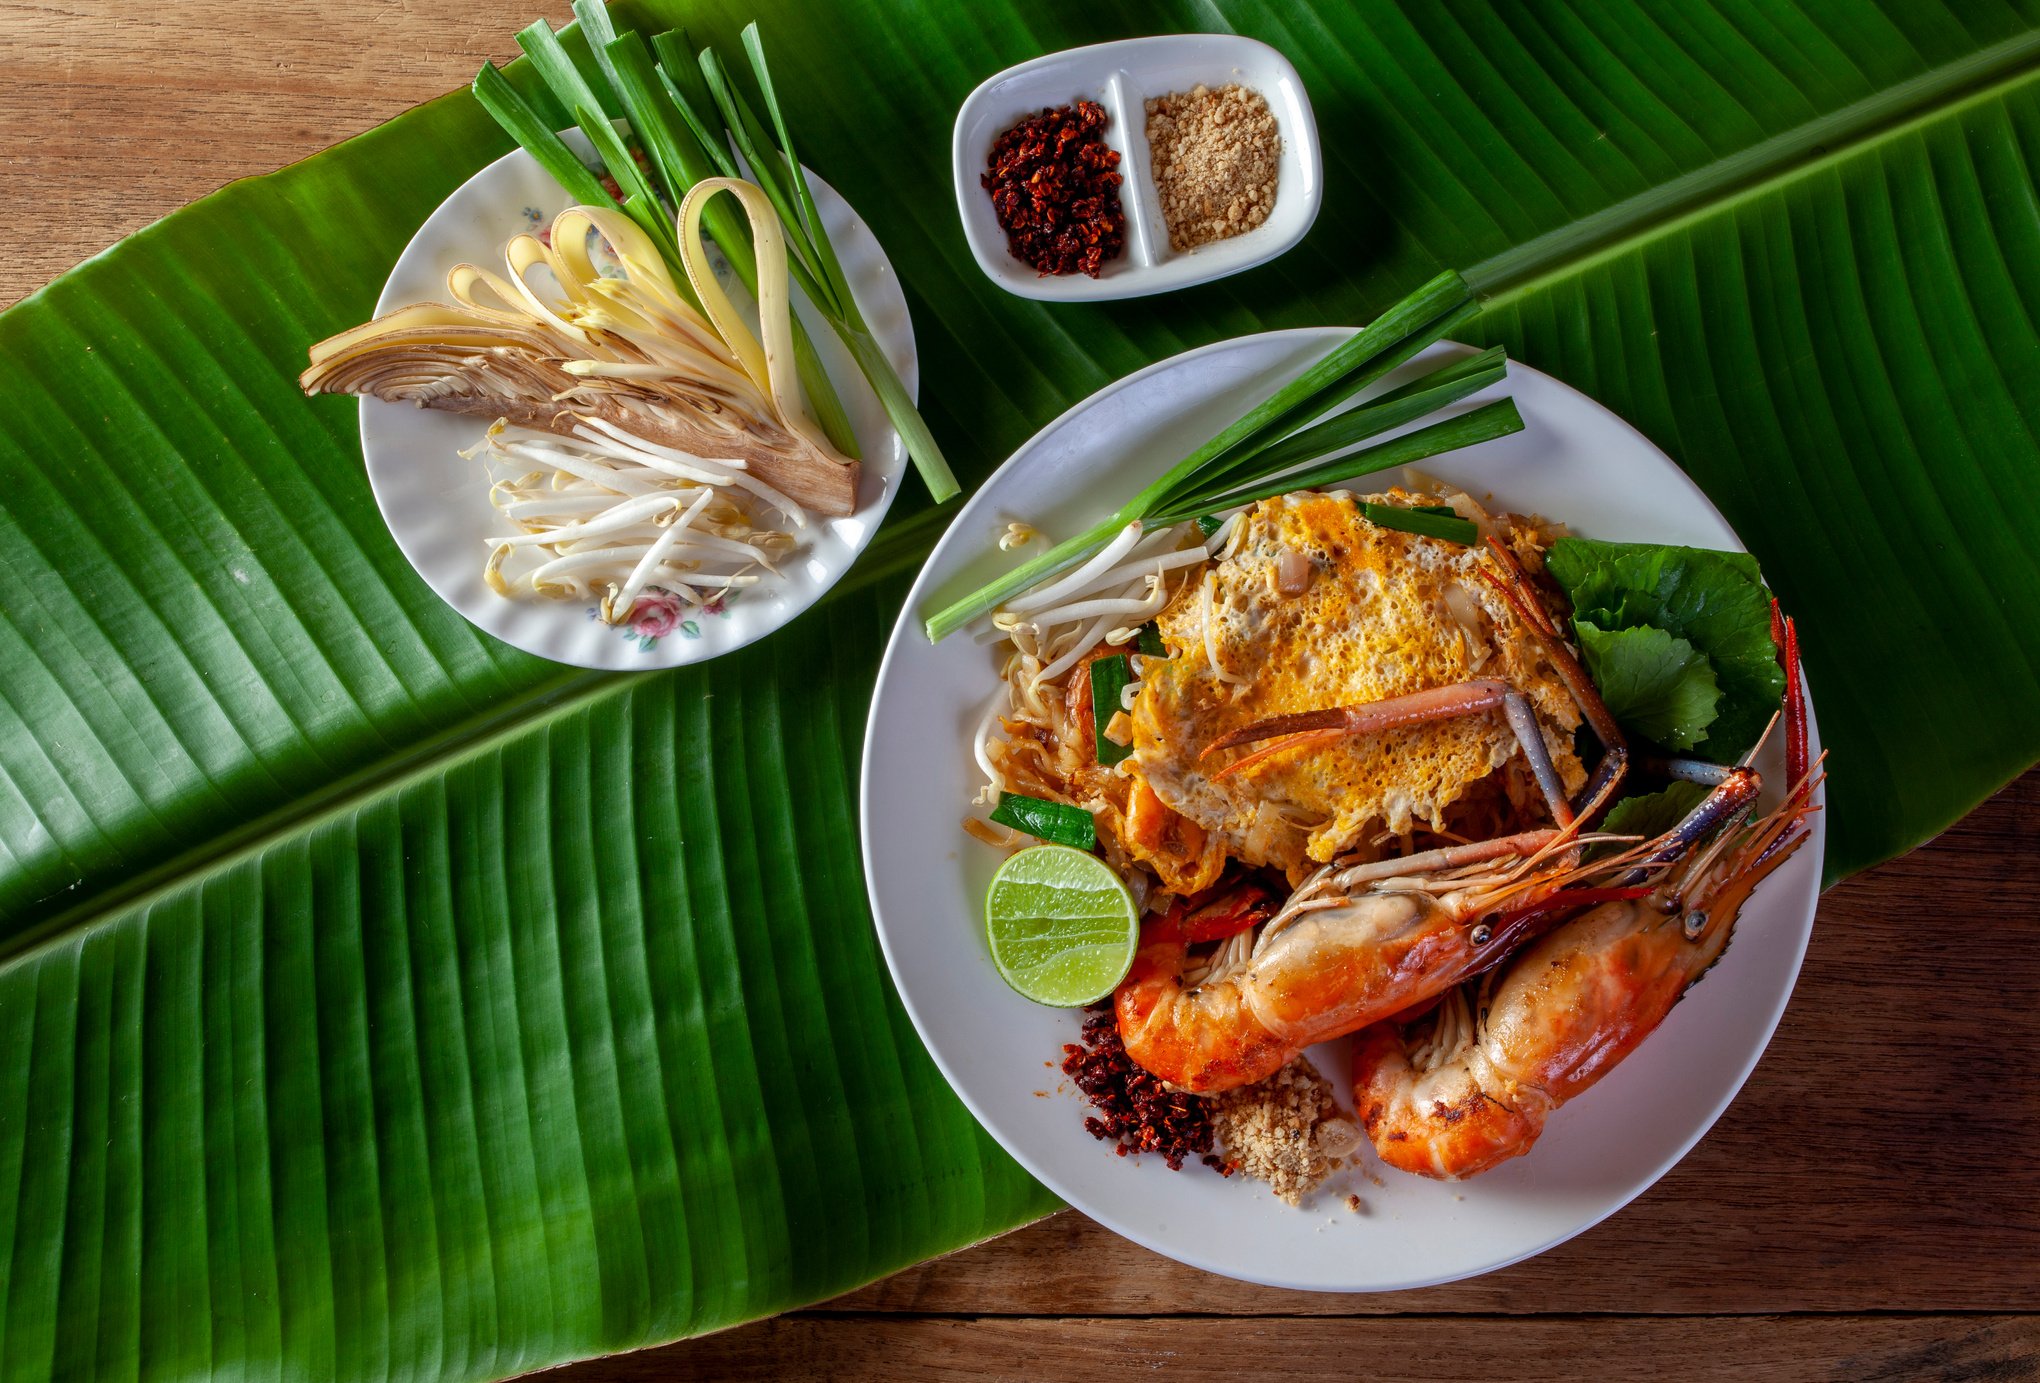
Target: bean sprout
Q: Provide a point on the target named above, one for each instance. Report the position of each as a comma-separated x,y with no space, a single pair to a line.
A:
681,466
616,354
594,524
1109,598
1210,634
1118,576
995,780
1146,606
1073,583
655,555
1077,650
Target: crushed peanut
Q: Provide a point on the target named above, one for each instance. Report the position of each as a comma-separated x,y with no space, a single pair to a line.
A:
1216,158
1287,1131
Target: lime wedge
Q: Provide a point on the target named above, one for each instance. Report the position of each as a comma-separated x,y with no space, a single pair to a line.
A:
1062,926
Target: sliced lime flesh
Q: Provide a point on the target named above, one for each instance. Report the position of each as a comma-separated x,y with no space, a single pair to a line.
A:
1062,926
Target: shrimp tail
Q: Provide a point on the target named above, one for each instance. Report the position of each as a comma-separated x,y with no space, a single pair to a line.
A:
1201,1038
1576,1003
1440,1124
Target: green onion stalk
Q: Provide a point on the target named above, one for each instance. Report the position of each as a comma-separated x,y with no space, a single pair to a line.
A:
1295,440
683,114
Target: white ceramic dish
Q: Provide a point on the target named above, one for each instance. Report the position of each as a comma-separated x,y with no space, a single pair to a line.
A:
1122,77
1574,461
437,505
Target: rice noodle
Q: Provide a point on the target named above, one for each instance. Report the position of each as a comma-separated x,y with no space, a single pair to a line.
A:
1107,599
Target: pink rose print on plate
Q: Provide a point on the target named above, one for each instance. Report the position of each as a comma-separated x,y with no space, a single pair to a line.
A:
657,614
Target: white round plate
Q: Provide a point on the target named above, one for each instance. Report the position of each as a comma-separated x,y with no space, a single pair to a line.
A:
1574,461
437,505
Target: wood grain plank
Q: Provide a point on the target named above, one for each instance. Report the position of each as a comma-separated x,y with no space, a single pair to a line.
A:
115,114
1878,1161
1384,1350
1880,1158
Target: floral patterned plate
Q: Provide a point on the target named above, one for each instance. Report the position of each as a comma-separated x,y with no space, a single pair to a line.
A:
437,505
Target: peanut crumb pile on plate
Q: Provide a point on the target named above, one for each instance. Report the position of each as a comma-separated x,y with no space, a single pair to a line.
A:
1287,1131
1216,156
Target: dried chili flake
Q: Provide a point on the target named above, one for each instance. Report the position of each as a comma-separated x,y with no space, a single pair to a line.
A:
1055,188
1136,1112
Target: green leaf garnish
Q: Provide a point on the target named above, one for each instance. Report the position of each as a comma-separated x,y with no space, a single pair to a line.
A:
1654,682
1653,813
1715,601
1050,821
1572,560
1427,522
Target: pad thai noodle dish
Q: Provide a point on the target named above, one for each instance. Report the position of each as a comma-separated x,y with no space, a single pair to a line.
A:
1391,767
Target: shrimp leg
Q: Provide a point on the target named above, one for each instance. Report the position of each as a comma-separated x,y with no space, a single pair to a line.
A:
1313,728
1316,729
1576,1002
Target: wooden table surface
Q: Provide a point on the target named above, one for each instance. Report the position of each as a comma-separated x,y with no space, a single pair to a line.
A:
1868,1208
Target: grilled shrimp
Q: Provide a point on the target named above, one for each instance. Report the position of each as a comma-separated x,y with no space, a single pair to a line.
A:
1350,948
1475,1089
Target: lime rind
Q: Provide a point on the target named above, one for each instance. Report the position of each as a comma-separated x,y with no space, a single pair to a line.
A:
1062,927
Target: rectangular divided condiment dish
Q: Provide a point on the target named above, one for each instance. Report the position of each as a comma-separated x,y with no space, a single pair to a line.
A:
1123,77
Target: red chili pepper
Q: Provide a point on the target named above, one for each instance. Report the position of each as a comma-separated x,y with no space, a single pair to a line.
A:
1195,919
1055,189
1228,917
1785,634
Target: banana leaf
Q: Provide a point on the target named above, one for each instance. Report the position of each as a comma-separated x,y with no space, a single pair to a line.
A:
377,1001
